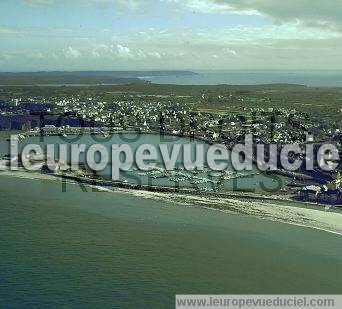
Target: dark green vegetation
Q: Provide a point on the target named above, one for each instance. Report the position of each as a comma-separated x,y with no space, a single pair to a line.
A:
273,114
85,77
295,96
322,103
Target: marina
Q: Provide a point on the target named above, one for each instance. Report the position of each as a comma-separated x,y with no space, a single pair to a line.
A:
199,179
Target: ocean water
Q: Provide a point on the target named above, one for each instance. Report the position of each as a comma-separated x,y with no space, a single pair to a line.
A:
314,78
114,250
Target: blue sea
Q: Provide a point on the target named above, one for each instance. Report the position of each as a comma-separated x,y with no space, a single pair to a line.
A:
74,249
316,78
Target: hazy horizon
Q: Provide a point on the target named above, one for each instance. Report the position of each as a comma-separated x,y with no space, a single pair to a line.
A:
174,70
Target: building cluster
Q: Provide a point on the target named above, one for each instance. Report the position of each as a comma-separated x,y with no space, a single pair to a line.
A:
329,194
180,115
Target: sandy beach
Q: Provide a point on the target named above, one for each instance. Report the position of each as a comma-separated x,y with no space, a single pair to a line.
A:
308,215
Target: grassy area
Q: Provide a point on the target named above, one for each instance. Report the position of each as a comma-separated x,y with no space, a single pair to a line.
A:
321,102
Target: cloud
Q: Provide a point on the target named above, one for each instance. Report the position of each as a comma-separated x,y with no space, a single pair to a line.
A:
209,6
39,2
228,51
110,4
7,56
131,4
310,13
36,55
155,54
98,50
71,53
123,51
128,3
11,31
302,34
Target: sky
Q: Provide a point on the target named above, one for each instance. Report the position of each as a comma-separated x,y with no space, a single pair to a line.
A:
45,35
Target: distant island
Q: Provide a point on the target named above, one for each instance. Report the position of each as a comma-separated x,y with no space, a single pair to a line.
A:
83,77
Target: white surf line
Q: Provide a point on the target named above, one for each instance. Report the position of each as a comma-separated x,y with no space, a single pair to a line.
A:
188,200
274,215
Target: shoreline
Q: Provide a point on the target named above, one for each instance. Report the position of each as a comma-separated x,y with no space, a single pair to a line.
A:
308,215
196,137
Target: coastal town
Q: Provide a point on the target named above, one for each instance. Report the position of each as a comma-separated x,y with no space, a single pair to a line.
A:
170,154
221,115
